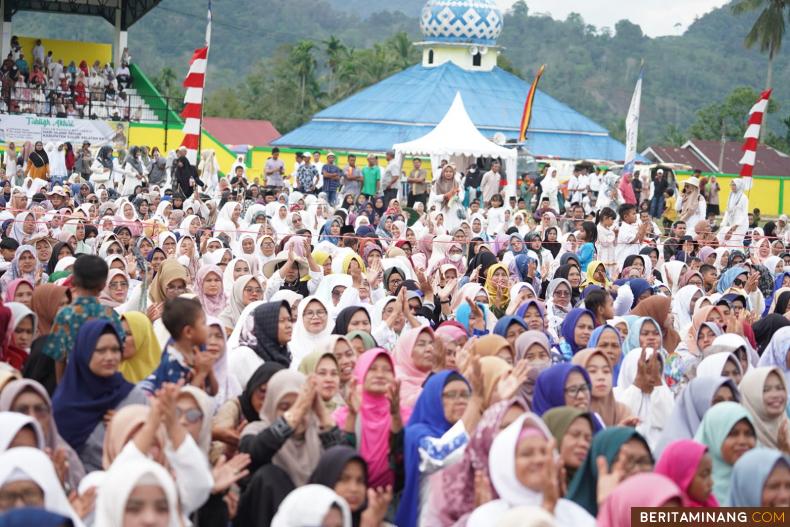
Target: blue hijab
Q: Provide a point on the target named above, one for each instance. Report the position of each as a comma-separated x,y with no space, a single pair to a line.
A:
750,473
327,229
27,516
83,398
522,309
568,329
729,276
595,336
633,332
427,420
550,386
638,287
505,322
463,312
777,286
522,266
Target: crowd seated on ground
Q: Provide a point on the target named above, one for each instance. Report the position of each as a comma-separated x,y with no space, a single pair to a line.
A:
45,85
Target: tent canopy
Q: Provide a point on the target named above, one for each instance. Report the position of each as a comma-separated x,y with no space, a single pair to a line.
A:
456,138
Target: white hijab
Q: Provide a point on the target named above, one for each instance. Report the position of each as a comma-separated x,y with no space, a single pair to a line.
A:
303,342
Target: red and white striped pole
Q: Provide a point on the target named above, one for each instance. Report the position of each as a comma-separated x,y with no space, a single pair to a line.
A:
752,137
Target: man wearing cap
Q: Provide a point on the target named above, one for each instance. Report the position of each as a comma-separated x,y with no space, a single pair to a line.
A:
331,174
307,176
371,175
274,169
390,179
660,185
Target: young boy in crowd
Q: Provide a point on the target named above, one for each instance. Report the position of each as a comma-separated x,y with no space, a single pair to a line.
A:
89,278
183,358
670,214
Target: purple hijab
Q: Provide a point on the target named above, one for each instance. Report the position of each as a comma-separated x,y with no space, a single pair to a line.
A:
568,327
550,387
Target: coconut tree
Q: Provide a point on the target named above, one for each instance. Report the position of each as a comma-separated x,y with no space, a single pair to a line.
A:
769,28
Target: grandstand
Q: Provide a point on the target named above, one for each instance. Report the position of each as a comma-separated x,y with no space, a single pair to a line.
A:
93,81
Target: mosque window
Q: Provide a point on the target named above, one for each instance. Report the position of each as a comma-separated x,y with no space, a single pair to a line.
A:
477,59
430,56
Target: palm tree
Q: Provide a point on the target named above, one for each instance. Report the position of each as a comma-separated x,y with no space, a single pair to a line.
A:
404,51
769,28
304,65
335,50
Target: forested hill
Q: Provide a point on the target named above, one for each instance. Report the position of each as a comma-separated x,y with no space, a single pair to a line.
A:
592,70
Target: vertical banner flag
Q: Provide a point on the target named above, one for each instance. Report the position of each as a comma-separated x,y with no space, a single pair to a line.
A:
632,127
527,115
193,98
752,136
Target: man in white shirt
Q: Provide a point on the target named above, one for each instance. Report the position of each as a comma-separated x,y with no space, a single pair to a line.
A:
38,52
583,185
390,179
320,167
595,182
489,185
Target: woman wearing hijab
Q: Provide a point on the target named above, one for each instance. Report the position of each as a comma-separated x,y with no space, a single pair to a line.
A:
47,300
517,464
28,397
760,478
311,327
497,286
345,472
313,505
727,430
91,387
764,331
576,328
323,365
643,490
618,444
38,163
246,290
659,308
764,393
598,366
558,302
210,290
170,281
446,412
285,445
735,222
24,265
688,464
141,351
33,476
562,385
121,483
116,291
414,359
572,429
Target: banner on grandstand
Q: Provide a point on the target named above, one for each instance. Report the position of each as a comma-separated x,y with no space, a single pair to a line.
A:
21,128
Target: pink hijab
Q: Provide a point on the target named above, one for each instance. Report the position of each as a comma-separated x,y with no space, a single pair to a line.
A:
627,191
10,291
374,423
647,489
411,378
679,462
213,305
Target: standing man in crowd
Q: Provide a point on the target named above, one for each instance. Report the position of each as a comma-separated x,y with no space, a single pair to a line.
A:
352,177
390,179
307,176
371,175
490,183
418,188
331,174
274,169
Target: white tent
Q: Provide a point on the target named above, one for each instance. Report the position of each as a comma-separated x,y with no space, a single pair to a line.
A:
458,140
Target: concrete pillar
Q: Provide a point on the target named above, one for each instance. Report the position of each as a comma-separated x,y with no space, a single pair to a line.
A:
121,39
5,31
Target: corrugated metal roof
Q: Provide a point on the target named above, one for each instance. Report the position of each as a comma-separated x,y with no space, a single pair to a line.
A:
410,103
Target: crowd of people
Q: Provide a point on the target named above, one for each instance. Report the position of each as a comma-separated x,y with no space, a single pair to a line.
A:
44,85
369,346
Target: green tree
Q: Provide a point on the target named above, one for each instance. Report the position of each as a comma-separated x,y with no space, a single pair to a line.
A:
673,136
728,118
305,65
335,51
166,82
405,54
769,28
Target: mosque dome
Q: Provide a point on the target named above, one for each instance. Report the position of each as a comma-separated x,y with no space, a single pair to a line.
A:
461,21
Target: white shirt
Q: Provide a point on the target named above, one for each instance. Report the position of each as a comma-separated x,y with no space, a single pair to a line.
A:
627,244
38,53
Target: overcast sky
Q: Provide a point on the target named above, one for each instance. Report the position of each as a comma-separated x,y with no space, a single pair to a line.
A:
657,17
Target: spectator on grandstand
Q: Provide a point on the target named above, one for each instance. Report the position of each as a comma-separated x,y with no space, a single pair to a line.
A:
38,52
123,76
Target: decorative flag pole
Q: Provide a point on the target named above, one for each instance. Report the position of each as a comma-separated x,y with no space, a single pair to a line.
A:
194,82
632,126
527,115
751,138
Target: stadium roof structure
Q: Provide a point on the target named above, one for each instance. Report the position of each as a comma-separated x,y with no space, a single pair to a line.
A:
130,11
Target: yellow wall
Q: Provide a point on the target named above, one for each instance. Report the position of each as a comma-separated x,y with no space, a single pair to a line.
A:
140,134
257,160
69,50
764,195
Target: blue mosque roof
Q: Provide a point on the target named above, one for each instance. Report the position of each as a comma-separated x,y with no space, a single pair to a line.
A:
410,103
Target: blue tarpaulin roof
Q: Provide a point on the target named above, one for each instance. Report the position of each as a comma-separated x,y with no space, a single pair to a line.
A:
410,103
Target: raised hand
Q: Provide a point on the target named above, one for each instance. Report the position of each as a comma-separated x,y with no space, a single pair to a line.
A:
353,398
83,503
378,502
608,479
228,472
551,480
508,385
483,492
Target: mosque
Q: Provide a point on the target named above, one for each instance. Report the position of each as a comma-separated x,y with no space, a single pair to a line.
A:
459,55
